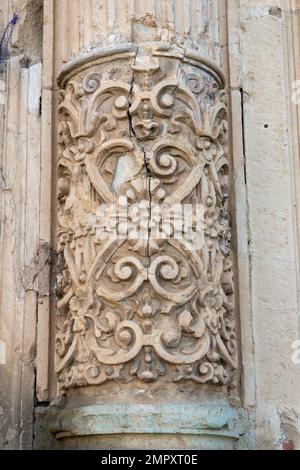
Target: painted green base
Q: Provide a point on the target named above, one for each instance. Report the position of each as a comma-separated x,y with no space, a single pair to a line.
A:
121,426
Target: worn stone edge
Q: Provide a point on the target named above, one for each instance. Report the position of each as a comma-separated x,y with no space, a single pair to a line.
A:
219,420
87,59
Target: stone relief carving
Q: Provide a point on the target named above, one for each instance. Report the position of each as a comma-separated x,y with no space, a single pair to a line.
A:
153,132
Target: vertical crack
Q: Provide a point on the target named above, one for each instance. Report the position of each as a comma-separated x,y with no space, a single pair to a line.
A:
243,133
139,144
135,138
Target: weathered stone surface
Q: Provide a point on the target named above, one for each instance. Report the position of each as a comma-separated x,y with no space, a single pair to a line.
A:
264,73
19,240
263,156
196,24
142,302
143,115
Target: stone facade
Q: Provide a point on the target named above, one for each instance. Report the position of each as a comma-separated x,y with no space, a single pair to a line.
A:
126,335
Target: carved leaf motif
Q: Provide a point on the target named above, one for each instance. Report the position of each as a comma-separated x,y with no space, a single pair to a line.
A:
143,307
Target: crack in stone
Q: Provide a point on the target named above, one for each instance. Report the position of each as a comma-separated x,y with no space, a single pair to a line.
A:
134,137
149,176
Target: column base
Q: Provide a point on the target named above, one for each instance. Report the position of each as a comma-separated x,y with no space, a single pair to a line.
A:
121,426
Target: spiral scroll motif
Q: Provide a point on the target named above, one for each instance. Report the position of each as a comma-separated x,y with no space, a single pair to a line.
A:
138,308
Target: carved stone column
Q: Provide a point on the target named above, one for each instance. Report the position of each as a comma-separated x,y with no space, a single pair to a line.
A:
145,339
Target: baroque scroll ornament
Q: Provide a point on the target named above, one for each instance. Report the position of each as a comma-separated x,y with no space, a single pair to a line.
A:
154,131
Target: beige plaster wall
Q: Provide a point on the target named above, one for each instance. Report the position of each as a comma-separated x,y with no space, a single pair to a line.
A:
261,56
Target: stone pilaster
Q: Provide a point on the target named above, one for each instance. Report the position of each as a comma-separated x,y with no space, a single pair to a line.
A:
146,323
21,249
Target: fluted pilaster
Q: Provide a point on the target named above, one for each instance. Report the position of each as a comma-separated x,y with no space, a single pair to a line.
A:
87,24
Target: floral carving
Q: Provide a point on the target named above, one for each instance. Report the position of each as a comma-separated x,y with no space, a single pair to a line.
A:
134,307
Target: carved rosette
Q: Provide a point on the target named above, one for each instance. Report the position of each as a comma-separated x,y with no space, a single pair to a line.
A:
153,130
